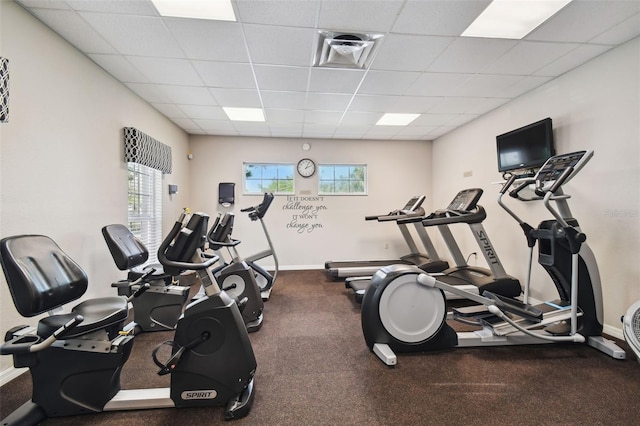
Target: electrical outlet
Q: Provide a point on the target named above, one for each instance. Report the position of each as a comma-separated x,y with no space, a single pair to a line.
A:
467,173
386,246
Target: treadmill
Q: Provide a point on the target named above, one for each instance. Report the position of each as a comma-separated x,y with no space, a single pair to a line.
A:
366,268
464,209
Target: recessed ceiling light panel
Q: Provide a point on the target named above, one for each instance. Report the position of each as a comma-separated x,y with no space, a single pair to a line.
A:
513,19
219,10
390,119
244,114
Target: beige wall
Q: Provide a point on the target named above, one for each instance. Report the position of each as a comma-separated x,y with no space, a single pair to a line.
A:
397,170
595,106
62,172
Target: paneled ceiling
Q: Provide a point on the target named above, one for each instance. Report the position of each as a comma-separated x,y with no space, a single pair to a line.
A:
188,69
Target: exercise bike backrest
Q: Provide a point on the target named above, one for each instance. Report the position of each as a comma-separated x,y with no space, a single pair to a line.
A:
258,212
220,234
127,250
179,256
40,276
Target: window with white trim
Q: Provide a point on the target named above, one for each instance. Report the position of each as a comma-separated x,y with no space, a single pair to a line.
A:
342,179
145,207
259,178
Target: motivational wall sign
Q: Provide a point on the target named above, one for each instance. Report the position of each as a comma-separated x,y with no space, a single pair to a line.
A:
305,213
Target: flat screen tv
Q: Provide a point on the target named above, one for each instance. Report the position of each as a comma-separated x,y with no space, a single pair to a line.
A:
525,148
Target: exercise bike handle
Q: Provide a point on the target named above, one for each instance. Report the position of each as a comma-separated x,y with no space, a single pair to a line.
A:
31,343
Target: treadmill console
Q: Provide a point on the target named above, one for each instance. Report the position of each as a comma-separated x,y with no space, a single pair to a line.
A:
410,207
555,166
465,201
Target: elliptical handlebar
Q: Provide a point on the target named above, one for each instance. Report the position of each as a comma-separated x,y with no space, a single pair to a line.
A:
258,212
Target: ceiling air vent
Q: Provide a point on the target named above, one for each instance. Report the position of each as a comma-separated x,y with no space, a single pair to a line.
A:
343,50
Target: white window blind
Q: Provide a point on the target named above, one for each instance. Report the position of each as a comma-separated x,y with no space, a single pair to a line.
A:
145,207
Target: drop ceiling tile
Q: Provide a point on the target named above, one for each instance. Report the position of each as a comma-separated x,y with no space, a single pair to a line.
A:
448,18
489,104
283,100
186,123
151,93
393,104
322,117
388,83
251,128
185,95
621,33
362,15
581,21
522,86
528,57
209,40
129,7
283,12
203,112
401,52
573,59
441,131
417,131
331,80
461,119
314,130
485,85
438,84
470,55
241,98
457,105
278,131
225,74
272,77
135,35
170,110
47,4
284,116
74,29
280,45
215,125
167,70
433,120
383,131
119,67
361,118
327,102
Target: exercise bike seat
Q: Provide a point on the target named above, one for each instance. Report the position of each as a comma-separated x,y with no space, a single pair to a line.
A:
41,277
128,252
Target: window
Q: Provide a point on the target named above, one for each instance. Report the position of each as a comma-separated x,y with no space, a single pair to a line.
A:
145,207
260,178
341,179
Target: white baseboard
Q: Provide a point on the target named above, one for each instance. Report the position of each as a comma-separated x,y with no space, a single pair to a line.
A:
299,267
11,373
613,331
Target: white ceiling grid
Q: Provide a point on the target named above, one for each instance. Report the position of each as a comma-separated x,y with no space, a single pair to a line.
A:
188,69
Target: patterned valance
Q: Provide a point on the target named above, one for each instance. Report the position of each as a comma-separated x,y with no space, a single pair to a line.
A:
143,149
4,90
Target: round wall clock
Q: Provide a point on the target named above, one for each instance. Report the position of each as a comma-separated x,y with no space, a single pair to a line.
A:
306,167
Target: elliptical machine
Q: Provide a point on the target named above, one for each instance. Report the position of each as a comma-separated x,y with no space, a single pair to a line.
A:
404,310
264,279
235,277
157,308
75,359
